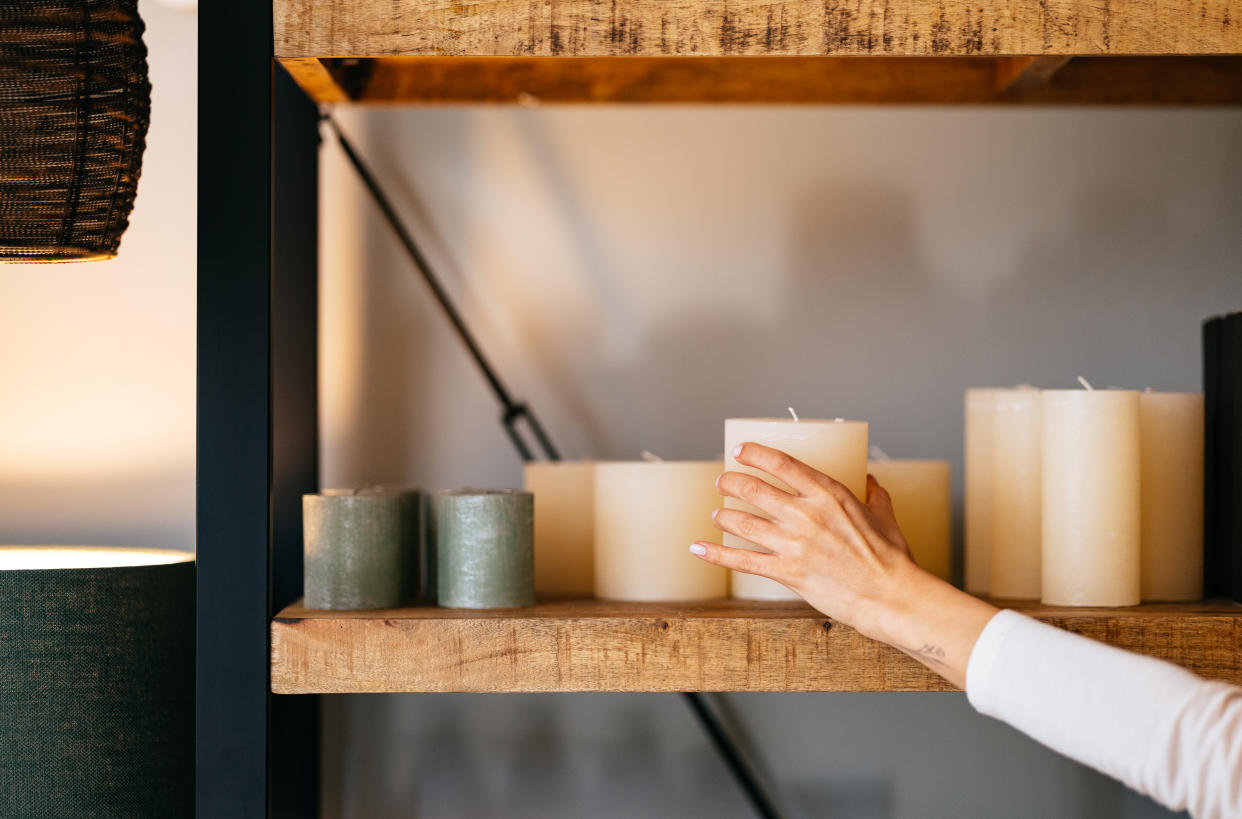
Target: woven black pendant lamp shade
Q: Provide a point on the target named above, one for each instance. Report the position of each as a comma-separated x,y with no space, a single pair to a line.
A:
74,106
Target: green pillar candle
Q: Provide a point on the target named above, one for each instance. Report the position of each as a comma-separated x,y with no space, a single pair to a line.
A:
354,549
485,548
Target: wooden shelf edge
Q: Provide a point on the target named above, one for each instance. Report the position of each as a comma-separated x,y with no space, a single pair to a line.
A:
588,28
532,81
725,646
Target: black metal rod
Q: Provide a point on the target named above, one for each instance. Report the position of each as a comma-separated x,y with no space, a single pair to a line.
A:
512,412
728,751
512,409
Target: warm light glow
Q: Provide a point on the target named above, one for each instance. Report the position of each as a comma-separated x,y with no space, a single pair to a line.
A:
86,557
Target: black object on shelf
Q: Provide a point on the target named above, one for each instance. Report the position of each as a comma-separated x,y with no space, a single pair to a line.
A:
1222,386
514,411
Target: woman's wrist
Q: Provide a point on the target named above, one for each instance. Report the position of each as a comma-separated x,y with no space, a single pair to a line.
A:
932,621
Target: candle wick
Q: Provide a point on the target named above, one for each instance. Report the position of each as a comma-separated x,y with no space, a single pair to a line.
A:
652,458
794,414
1085,383
878,454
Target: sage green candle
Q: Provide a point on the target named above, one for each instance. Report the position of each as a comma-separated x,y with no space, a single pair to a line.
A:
354,555
415,544
485,548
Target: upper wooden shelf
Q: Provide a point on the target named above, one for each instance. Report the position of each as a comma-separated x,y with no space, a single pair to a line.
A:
717,28
591,645
689,51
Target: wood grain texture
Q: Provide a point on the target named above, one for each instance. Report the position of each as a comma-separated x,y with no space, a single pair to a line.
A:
773,80
508,28
591,645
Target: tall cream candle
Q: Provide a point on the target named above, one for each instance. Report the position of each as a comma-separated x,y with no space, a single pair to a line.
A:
921,500
980,408
1091,483
646,514
564,527
837,448
1171,429
1016,488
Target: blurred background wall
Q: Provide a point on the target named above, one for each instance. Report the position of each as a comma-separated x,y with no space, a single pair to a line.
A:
97,359
640,274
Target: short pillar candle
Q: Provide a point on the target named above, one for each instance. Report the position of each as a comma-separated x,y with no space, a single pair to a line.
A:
564,527
646,515
1091,497
485,548
1171,425
1017,486
922,500
838,448
353,555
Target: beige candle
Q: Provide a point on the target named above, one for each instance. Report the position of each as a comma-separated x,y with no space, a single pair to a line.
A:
837,448
1091,552
646,515
980,408
921,500
1016,488
564,527
1171,429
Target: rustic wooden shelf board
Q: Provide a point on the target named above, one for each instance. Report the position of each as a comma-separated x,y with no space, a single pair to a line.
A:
596,28
590,645
773,80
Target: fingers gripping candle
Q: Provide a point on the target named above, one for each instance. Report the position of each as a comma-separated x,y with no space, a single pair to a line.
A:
485,548
1091,494
837,448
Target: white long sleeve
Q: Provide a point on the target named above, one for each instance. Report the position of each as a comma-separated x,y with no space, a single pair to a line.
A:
1155,726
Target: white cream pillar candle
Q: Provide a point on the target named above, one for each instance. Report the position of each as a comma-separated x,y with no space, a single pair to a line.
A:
921,495
1171,457
1016,516
980,409
838,448
1091,497
564,527
645,515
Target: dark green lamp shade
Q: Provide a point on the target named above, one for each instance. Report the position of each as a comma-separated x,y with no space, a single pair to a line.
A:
74,106
96,685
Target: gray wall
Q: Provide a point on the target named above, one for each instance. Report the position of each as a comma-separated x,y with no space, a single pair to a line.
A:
641,274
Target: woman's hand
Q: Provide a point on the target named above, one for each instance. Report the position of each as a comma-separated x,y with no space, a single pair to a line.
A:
847,558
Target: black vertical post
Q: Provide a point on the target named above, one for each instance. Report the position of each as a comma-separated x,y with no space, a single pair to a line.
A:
294,769
234,407
256,413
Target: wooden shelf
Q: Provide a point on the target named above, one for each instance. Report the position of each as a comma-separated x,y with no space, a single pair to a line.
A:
714,28
590,645
687,51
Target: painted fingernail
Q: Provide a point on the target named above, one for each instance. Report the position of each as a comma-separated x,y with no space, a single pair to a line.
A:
697,549
718,477
714,513
737,450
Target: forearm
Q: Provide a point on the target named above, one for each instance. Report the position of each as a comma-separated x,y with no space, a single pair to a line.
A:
1155,726
930,620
